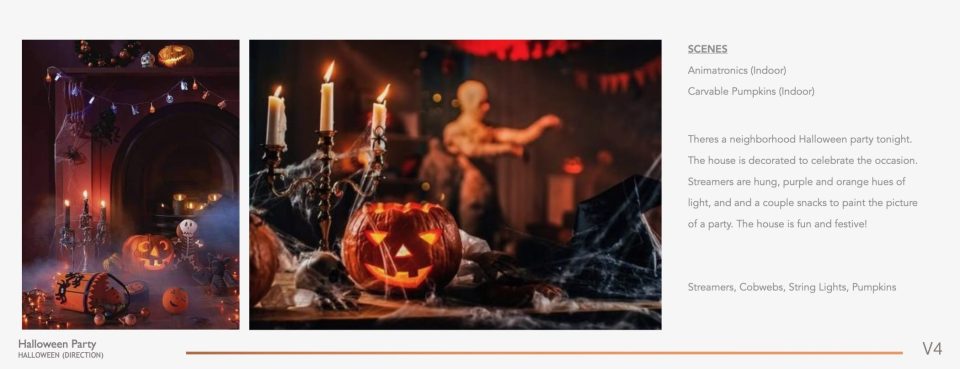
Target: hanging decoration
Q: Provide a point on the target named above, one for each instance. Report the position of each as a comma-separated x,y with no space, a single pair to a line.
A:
79,99
105,131
618,82
517,50
94,58
73,118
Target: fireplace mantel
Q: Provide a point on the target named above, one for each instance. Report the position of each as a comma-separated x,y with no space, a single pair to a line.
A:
152,72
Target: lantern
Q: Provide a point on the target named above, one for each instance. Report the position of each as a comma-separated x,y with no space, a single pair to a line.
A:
401,248
147,251
264,248
91,293
175,55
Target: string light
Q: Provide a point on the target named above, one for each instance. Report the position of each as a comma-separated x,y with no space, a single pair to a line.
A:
53,74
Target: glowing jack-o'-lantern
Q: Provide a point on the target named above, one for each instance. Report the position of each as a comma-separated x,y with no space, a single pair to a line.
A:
401,248
148,251
175,55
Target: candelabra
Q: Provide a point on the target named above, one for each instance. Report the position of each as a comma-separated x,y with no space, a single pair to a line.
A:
321,190
79,249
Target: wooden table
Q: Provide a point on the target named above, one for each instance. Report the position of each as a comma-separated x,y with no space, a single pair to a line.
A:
377,312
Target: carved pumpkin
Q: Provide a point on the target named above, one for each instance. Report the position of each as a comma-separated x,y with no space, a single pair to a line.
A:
264,248
401,248
175,55
175,300
148,252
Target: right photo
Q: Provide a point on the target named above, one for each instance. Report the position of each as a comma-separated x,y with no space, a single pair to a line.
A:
455,184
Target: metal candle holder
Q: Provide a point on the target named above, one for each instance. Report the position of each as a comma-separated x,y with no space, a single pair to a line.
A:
272,156
90,241
102,238
321,189
68,242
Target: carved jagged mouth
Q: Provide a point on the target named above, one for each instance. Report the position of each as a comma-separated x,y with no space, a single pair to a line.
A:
154,264
400,279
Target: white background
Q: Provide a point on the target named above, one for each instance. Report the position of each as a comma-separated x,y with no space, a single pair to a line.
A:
878,70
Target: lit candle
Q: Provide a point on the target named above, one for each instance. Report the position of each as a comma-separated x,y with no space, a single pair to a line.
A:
178,203
66,213
326,101
276,119
103,210
86,206
380,112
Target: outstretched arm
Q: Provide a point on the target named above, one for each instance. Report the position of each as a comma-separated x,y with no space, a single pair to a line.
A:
527,135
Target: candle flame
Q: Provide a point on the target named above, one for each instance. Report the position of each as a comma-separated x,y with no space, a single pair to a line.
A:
66,203
383,95
277,92
326,76
103,203
84,194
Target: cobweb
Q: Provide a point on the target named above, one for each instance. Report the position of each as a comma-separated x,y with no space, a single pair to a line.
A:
599,270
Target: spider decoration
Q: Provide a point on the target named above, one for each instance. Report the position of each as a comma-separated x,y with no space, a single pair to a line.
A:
72,155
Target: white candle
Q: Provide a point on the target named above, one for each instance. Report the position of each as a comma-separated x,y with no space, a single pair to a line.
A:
276,119
326,101
66,213
380,112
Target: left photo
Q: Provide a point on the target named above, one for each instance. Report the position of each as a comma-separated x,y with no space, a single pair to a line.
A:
130,184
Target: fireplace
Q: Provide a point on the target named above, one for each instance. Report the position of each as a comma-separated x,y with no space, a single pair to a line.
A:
188,149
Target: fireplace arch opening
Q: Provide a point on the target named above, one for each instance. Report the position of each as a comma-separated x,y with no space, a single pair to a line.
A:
186,148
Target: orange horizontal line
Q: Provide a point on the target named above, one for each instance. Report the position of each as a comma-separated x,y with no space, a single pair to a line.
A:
566,353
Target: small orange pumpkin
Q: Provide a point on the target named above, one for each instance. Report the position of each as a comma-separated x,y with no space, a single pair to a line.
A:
175,300
175,55
409,248
148,252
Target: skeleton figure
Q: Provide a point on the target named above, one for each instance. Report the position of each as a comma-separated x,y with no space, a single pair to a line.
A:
474,143
187,246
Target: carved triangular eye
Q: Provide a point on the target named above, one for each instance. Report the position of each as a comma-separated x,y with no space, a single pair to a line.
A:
144,246
430,237
376,237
